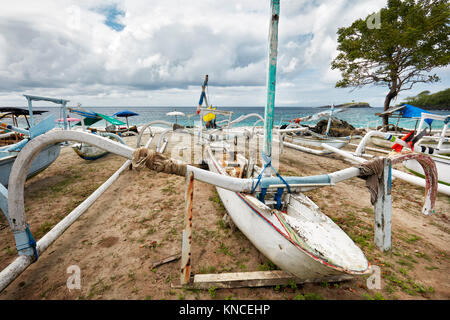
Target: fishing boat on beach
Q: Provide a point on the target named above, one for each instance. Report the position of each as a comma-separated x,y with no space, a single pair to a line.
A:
279,220
8,137
86,151
270,209
309,140
423,139
411,113
15,138
437,149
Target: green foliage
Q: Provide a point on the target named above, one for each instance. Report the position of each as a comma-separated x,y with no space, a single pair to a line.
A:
212,292
439,100
412,39
376,296
308,296
267,266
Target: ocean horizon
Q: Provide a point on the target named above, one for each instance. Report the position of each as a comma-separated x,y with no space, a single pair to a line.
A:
357,117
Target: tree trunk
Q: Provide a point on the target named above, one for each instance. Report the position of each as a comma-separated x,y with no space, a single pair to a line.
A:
391,95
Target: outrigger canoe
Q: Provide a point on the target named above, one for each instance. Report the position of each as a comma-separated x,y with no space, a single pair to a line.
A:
298,237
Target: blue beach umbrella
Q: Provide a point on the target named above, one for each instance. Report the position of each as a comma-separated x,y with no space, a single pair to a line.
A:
125,114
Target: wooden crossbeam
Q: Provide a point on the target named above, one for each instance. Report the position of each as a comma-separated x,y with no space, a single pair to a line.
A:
253,279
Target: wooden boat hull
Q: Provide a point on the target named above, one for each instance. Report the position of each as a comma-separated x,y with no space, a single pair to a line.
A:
442,166
44,159
268,234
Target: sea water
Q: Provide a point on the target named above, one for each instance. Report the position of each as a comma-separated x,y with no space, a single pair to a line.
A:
358,117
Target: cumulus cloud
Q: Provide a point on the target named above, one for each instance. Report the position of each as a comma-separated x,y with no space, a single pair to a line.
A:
136,52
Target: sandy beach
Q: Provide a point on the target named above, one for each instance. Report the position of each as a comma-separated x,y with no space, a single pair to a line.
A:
139,220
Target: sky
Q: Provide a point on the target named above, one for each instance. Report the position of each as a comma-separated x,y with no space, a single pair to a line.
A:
156,53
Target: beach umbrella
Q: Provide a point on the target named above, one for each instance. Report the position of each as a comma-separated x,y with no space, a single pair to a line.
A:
125,114
69,120
175,113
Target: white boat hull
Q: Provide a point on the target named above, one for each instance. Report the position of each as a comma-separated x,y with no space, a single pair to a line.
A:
44,159
266,232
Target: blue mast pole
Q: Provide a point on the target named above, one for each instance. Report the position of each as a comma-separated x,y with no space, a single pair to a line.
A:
271,80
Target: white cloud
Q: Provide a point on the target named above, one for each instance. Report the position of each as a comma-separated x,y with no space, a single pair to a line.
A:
65,48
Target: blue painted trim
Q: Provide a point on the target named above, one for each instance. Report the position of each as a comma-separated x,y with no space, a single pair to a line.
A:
262,194
17,146
25,243
42,127
323,178
278,196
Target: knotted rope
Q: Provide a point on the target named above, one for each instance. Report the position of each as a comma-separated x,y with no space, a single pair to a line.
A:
157,161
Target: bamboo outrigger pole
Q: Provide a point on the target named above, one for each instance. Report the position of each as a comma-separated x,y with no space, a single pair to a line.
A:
271,81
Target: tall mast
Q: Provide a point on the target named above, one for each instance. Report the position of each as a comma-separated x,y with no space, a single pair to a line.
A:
271,79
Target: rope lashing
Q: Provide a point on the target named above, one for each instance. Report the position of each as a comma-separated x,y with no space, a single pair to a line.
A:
157,162
258,180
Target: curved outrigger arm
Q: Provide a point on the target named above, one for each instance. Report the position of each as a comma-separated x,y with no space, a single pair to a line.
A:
162,141
362,144
148,125
243,117
22,165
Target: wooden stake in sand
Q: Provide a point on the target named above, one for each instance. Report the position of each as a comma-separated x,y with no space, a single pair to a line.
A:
383,209
187,232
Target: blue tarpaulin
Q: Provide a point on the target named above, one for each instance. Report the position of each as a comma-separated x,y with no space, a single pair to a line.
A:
414,112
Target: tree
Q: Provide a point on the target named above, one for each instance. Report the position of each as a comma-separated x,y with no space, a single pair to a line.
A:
410,40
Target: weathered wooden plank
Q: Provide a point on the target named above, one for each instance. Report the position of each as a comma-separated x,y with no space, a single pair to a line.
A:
165,260
254,279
